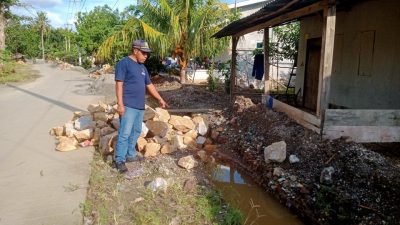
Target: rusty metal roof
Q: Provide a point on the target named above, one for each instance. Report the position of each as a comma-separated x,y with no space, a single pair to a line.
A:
271,10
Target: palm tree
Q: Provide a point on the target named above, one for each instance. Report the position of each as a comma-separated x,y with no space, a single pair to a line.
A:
42,22
181,28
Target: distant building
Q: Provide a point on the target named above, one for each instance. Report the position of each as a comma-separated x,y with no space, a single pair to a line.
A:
279,71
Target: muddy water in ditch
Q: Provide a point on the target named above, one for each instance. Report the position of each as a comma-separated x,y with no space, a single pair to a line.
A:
256,205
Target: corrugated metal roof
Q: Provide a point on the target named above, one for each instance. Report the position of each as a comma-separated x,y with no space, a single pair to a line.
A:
246,3
273,9
268,12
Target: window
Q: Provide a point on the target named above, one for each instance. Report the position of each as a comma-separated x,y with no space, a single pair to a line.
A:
259,45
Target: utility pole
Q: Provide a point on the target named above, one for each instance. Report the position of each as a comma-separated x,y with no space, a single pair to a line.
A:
79,56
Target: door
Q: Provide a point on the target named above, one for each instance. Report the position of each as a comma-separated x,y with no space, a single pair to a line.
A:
311,76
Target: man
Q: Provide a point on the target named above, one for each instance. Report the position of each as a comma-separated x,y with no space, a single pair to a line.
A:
132,80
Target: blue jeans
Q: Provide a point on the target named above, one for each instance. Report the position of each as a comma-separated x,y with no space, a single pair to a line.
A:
128,134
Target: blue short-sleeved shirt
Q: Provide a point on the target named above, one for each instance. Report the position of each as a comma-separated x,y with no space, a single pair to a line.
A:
135,78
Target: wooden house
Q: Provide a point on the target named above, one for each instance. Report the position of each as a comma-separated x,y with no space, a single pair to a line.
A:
348,75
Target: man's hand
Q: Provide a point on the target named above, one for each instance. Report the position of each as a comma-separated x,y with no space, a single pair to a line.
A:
162,103
121,110
153,92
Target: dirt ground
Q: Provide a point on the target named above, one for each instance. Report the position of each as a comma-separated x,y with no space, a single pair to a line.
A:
365,184
365,179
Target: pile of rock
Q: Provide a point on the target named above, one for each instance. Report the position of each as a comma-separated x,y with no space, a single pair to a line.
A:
105,69
162,133
63,65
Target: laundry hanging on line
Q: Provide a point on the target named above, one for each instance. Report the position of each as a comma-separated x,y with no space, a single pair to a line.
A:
258,67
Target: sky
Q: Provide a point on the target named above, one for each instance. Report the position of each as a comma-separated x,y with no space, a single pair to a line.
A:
61,13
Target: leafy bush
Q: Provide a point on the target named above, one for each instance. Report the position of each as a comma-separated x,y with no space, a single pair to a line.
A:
225,69
211,80
86,63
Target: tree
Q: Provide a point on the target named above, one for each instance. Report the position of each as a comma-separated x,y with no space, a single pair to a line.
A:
287,41
20,35
181,28
62,44
95,26
42,22
4,14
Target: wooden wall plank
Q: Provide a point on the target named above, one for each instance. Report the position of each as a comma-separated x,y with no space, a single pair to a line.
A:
328,42
358,117
233,66
363,134
266,60
303,118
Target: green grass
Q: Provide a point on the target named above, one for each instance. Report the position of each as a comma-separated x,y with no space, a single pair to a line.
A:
107,203
12,72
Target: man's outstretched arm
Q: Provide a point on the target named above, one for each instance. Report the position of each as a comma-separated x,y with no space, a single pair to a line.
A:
153,92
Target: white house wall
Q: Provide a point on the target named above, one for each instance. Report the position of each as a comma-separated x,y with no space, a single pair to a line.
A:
247,43
366,63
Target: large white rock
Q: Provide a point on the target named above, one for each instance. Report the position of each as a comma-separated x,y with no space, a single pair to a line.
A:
189,141
151,149
160,140
69,129
115,123
177,142
107,143
58,131
78,114
106,130
197,119
66,144
83,135
181,123
187,162
201,126
145,130
191,133
275,152
149,114
162,115
141,142
100,116
101,124
168,148
96,136
157,128
83,123
200,141
158,184
92,108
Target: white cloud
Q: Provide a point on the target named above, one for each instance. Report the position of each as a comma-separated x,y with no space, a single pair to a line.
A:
43,3
55,19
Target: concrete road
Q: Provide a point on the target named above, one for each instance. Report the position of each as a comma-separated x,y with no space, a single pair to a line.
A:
39,185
